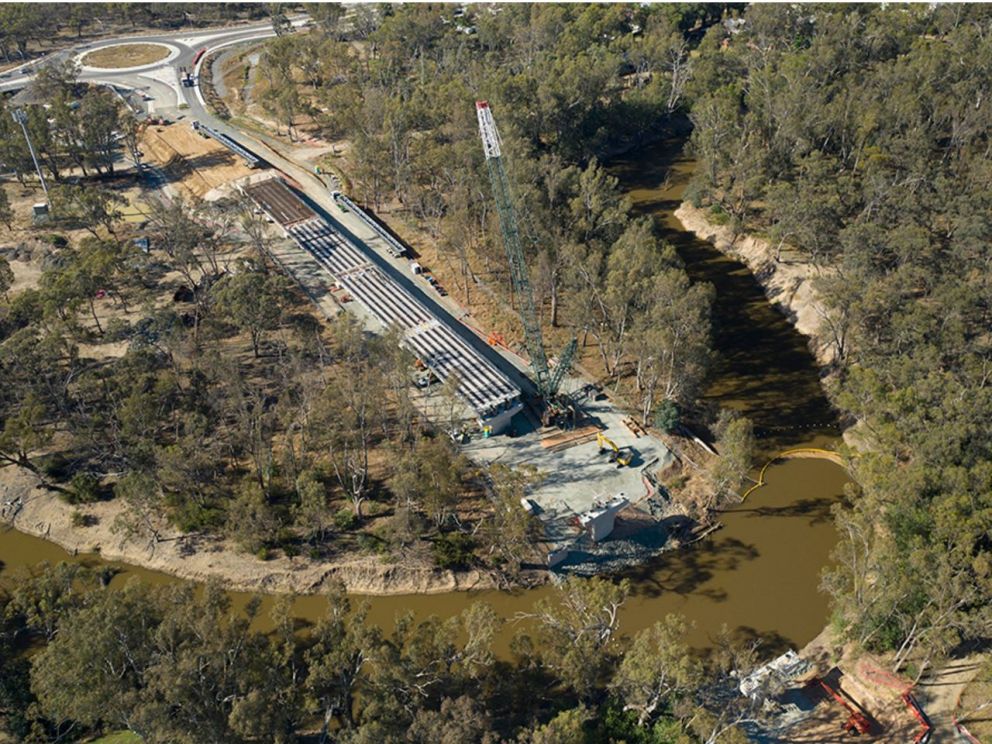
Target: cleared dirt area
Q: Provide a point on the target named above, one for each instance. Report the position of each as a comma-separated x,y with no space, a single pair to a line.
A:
121,56
863,681
196,164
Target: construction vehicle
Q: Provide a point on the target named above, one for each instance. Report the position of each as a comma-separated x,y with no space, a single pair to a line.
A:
496,339
622,457
547,381
857,722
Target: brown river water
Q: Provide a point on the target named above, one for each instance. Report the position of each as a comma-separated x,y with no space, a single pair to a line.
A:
760,574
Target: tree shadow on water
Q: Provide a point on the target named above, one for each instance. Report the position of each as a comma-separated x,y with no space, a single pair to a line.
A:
816,510
686,572
768,644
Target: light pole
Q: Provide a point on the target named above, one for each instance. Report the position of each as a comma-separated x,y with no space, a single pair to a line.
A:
21,118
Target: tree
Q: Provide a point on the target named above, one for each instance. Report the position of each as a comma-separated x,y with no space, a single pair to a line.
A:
458,720
735,448
430,477
254,226
420,664
55,79
510,530
631,269
99,115
452,404
130,129
92,670
44,599
95,272
721,708
349,416
193,244
254,302
250,520
577,629
658,671
6,276
18,707
280,23
671,341
24,432
6,211
342,644
143,516
567,726
213,677
270,706
327,16
312,511
89,206
13,147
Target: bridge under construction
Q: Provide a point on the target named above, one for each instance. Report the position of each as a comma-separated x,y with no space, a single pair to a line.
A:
490,393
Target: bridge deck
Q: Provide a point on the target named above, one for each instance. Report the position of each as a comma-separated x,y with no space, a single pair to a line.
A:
481,384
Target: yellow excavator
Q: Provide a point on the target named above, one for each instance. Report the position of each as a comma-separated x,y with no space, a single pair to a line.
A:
620,457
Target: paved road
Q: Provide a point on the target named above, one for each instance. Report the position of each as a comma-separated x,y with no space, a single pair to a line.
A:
159,83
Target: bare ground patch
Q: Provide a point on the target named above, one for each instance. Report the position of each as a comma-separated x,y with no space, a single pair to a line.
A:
196,164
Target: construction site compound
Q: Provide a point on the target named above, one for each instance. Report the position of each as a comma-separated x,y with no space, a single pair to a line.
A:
595,487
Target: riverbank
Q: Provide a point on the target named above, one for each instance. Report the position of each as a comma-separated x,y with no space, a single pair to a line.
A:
789,285
34,510
780,538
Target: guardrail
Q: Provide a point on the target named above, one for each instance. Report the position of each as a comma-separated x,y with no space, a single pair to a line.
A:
395,247
251,159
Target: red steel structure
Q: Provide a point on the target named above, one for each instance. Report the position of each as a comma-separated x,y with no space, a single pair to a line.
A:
904,687
857,723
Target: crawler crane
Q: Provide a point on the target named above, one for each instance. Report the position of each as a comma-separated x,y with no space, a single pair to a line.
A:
547,381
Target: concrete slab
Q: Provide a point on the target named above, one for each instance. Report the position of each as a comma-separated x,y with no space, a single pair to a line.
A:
577,477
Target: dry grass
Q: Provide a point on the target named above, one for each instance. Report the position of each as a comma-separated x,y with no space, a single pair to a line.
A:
122,56
27,268
978,720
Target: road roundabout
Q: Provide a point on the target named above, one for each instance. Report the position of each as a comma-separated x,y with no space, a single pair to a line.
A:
127,56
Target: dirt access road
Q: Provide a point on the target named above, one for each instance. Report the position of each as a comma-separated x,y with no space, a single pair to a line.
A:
939,694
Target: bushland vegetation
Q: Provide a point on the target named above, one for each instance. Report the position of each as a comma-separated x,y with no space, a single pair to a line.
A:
178,664
195,383
569,85
857,138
